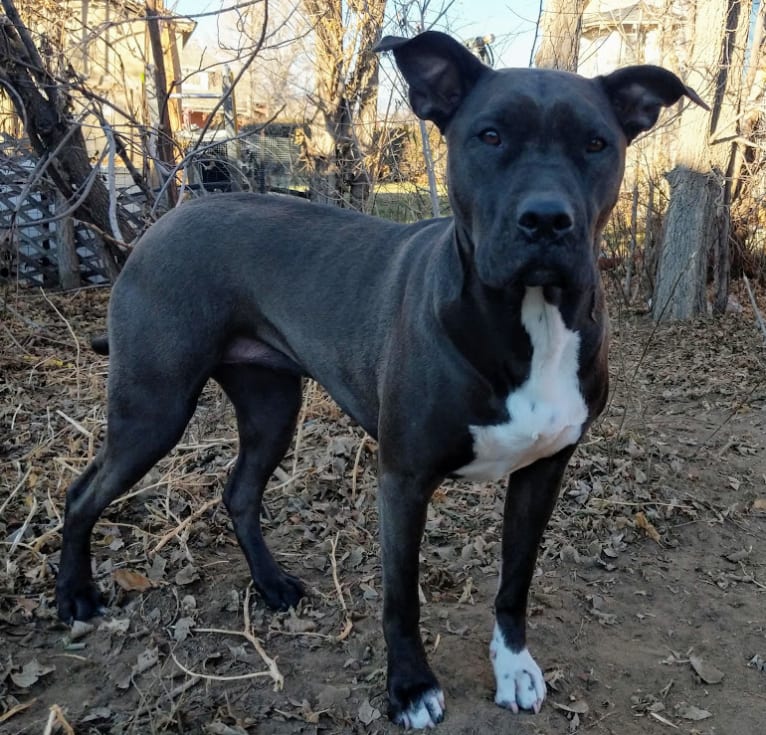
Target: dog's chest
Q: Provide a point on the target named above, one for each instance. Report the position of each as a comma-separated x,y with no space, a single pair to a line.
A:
547,412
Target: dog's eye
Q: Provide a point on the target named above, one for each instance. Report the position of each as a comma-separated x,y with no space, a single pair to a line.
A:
595,145
490,137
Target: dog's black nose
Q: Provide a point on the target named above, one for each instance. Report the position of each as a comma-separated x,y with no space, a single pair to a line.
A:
543,218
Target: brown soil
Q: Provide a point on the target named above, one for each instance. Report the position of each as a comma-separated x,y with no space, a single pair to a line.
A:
647,612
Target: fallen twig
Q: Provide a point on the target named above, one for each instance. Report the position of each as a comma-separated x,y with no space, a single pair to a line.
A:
18,709
186,522
218,677
355,471
347,626
77,425
71,334
56,717
247,633
19,534
15,490
663,720
310,389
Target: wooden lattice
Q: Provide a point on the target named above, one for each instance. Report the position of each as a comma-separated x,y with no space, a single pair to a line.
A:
31,235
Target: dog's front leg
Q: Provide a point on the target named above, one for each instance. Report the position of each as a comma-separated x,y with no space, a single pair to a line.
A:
414,696
529,502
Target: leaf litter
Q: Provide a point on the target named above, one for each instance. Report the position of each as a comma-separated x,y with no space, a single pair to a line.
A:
662,517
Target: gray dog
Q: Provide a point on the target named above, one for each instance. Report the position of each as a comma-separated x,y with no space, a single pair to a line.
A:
472,346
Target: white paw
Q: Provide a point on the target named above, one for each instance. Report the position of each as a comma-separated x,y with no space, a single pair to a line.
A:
426,711
520,682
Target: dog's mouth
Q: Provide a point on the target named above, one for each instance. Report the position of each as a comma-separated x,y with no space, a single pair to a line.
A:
544,276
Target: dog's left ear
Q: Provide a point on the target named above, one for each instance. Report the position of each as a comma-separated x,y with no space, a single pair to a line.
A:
439,71
638,92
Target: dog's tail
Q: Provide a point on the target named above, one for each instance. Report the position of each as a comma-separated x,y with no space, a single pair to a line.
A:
100,344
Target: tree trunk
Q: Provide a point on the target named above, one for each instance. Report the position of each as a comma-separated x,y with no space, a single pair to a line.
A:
321,148
698,217
41,103
362,96
341,144
165,144
66,250
694,197
560,44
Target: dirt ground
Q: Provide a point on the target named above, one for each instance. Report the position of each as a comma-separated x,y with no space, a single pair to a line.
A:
647,611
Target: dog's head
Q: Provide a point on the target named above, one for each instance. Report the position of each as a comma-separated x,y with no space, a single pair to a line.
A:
536,156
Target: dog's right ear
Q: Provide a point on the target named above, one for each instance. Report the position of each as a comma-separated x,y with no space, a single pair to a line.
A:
439,71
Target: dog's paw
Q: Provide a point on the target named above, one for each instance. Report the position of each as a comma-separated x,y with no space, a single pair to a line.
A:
520,682
283,592
425,709
78,602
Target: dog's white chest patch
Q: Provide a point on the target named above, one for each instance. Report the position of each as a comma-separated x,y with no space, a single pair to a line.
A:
547,412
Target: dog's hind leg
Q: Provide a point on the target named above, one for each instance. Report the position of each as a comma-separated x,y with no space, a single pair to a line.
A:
143,425
267,403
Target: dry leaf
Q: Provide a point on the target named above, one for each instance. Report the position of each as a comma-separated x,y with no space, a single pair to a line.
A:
367,713
645,525
30,673
157,570
579,707
132,581
302,711
27,606
187,575
332,697
295,624
115,625
146,660
221,728
182,629
553,601
739,556
604,618
759,504
690,712
80,629
708,673
98,713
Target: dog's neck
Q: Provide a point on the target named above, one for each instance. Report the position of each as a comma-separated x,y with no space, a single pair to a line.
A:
485,324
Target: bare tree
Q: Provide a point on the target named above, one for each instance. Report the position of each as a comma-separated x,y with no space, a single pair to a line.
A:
165,145
698,219
279,81
561,22
50,54
748,252
42,101
346,70
416,16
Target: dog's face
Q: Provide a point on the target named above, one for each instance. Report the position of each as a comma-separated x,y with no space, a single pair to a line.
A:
552,144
